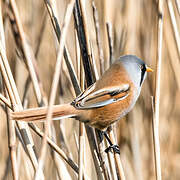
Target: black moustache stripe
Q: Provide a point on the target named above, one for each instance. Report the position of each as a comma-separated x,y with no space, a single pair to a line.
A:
143,71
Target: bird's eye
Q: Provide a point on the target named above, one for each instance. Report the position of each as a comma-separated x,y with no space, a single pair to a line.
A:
141,67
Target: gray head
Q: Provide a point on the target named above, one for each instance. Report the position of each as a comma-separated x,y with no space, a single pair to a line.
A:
136,68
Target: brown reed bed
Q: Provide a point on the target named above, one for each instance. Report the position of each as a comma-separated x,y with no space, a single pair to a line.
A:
51,51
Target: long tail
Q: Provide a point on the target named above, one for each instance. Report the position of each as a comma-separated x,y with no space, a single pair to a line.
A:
39,114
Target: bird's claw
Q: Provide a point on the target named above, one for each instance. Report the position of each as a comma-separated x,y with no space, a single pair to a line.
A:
115,148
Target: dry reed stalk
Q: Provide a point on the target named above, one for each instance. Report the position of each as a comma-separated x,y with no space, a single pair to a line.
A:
174,25
37,84
54,86
112,166
84,175
98,38
5,101
78,57
81,150
15,100
94,67
67,57
12,146
54,20
111,133
28,80
85,26
79,25
110,41
40,33
56,148
157,92
135,144
178,6
117,157
29,56
102,156
83,42
62,170
81,126
56,35
172,50
81,143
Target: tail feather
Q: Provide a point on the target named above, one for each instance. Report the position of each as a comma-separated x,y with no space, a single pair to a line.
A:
39,114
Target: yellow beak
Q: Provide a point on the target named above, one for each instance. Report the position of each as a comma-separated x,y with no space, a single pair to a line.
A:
148,69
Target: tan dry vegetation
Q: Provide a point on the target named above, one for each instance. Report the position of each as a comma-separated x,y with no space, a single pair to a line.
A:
134,31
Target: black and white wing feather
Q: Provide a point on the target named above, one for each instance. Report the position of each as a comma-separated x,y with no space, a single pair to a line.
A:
92,98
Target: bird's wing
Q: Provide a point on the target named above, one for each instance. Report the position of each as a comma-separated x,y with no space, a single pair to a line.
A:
92,98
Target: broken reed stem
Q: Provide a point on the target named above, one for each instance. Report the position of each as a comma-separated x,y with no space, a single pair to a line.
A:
157,92
174,25
54,86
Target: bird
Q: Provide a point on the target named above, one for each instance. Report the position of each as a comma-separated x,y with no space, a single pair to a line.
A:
103,103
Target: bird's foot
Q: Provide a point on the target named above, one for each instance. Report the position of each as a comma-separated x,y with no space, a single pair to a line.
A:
113,147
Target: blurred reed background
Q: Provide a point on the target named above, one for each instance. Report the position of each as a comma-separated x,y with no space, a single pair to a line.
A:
113,28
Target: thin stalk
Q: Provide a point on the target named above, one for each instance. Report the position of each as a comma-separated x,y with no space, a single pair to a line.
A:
110,41
15,99
67,57
83,40
98,38
174,25
117,158
12,146
29,56
157,92
56,148
54,86
178,6
81,150
5,101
